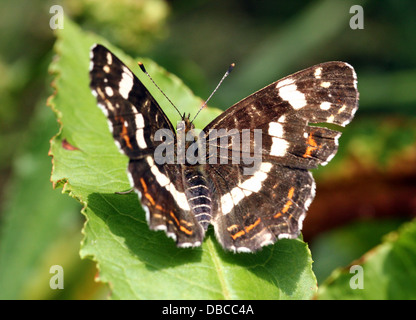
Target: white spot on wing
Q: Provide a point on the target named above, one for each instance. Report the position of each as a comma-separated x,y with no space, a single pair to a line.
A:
342,109
292,95
325,105
281,119
140,139
325,84
109,91
179,197
126,83
160,177
284,236
279,147
285,82
330,119
109,58
227,203
189,244
276,129
242,190
164,181
139,121
318,72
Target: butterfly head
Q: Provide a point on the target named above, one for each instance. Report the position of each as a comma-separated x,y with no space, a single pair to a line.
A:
185,125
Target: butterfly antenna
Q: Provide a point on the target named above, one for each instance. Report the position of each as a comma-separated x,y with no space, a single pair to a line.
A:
151,79
231,67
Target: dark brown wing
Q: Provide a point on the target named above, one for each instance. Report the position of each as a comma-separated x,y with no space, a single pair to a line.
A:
134,118
252,211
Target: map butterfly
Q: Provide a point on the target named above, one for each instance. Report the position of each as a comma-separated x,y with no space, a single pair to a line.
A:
246,211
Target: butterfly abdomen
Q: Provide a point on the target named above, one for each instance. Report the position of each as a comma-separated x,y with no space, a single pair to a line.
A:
198,194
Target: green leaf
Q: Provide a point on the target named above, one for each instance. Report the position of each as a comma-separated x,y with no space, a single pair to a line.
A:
277,52
388,271
136,262
35,219
338,247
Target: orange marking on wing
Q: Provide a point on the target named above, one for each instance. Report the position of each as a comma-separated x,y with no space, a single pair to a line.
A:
147,195
150,198
186,230
291,192
250,227
181,227
159,208
277,215
174,217
238,234
189,224
312,146
143,185
124,133
246,229
125,136
287,205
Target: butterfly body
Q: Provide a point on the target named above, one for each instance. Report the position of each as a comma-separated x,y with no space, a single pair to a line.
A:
202,179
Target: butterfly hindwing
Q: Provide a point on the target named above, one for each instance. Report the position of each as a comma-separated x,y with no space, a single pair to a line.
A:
162,193
260,208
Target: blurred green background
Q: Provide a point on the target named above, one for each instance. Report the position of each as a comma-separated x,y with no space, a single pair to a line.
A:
368,190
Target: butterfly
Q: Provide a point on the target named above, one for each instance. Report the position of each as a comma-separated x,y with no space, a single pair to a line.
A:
247,211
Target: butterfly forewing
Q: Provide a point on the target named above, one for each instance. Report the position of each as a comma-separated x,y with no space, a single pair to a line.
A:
128,105
134,118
